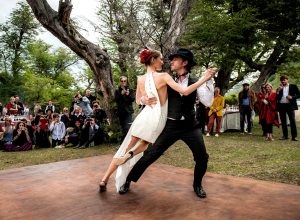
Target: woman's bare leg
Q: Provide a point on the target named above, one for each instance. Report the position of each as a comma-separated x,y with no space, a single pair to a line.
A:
141,148
132,143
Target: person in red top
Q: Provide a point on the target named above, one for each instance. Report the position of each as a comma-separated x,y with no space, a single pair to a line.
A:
12,108
259,105
268,115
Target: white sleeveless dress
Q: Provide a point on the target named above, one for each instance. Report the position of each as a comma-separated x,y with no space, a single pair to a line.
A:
147,126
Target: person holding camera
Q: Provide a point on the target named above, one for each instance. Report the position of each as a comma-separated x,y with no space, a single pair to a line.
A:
21,139
124,97
89,135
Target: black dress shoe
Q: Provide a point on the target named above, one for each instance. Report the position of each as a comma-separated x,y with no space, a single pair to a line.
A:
283,138
200,192
294,139
125,187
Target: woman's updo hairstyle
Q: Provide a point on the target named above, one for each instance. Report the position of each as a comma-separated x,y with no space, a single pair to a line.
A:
146,56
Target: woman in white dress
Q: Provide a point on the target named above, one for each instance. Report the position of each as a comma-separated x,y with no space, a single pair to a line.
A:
150,122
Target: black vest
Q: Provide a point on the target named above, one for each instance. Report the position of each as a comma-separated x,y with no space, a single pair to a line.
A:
179,106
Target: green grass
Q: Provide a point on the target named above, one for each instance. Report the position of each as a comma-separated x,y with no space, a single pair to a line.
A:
230,154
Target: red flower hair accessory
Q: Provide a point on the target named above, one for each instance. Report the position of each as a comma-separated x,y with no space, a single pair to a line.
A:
145,56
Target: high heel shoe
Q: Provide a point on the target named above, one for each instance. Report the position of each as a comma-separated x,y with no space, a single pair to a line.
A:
102,186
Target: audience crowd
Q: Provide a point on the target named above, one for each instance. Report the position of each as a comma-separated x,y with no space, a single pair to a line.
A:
82,125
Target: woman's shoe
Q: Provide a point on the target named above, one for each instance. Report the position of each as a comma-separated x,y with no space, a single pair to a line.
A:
102,186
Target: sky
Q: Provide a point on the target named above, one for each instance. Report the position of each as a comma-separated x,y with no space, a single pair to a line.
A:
84,12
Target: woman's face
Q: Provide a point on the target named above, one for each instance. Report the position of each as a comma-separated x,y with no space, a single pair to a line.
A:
268,88
158,62
21,126
7,122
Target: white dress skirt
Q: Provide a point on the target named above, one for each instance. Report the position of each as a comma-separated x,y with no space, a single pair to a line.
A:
147,126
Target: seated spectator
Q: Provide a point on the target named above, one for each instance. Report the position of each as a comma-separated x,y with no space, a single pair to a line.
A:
21,139
49,116
42,130
66,118
89,136
73,135
57,130
12,107
101,119
7,130
50,106
19,104
29,128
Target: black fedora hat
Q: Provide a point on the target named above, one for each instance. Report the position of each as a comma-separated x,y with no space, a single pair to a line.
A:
186,54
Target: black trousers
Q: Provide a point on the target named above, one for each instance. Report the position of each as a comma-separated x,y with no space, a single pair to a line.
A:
173,131
246,112
125,121
202,116
286,109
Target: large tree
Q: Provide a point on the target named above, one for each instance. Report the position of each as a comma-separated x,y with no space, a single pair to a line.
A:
61,26
15,34
243,37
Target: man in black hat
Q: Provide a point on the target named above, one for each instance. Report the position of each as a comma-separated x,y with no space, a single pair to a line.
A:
246,100
180,125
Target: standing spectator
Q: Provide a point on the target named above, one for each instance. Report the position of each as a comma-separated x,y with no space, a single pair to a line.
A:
287,95
84,104
90,96
205,99
12,107
26,111
21,139
57,130
259,105
246,100
50,106
124,97
37,107
66,118
1,108
216,112
19,104
268,114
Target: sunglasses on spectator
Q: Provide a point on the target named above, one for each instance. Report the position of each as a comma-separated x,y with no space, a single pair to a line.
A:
123,80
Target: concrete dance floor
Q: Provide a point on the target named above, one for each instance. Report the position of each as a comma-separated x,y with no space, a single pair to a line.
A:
69,190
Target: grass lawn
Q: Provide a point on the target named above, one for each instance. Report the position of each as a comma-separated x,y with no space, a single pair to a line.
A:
230,154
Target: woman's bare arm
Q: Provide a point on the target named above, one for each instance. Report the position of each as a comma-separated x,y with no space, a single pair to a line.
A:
138,94
209,73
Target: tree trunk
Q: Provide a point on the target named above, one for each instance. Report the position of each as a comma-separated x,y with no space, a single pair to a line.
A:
60,25
223,78
179,12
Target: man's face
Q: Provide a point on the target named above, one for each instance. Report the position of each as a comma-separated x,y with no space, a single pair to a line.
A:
284,82
88,92
123,82
177,63
245,87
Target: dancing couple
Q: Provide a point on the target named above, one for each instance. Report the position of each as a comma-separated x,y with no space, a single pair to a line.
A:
168,116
